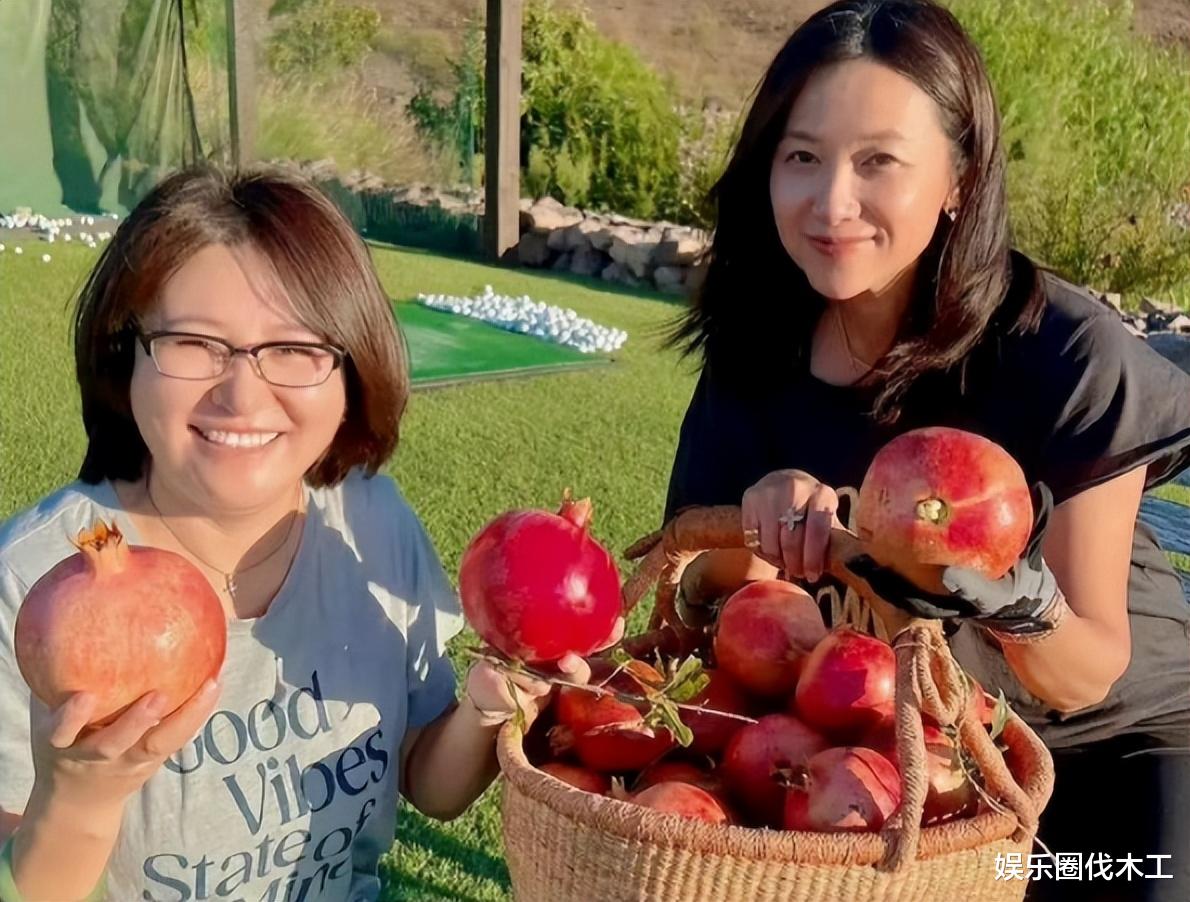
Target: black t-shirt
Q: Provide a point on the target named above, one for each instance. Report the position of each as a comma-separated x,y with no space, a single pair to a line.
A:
1076,402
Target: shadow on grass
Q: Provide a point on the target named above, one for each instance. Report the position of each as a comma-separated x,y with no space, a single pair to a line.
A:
415,829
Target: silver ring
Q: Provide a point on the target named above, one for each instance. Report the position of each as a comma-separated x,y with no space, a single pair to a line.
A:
792,518
751,538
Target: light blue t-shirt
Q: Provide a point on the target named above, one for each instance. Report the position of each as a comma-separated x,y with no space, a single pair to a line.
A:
289,792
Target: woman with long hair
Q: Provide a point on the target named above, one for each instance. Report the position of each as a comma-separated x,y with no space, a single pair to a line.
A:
861,282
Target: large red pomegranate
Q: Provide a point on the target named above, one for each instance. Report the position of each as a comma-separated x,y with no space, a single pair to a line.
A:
843,789
536,586
765,631
848,684
950,792
940,496
119,621
683,799
578,777
606,734
681,772
712,732
762,757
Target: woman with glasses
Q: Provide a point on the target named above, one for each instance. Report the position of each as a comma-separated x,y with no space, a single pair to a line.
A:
862,283
242,383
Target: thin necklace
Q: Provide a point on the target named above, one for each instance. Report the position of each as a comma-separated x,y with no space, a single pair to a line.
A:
855,361
229,581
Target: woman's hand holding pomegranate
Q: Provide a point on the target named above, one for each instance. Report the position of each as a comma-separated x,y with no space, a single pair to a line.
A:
787,519
98,768
498,694
1024,602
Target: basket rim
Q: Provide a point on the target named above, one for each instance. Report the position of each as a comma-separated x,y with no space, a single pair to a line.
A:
637,823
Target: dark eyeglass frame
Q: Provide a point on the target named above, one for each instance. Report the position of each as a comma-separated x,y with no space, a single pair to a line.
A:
338,354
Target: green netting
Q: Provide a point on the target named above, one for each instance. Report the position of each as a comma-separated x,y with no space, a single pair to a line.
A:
95,107
446,348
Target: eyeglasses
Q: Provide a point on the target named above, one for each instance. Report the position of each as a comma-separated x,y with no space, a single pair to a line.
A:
289,364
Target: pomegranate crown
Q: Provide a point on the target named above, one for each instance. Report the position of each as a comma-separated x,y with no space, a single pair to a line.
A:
577,512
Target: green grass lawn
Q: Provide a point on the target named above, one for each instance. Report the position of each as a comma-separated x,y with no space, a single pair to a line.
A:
466,454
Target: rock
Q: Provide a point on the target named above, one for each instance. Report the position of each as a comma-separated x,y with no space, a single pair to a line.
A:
634,252
448,202
1149,305
669,278
1173,347
1135,324
533,249
680,247
363,181
617,272
562,263
618,220
557,239
586,261
579,235
548,214
601,239
695,276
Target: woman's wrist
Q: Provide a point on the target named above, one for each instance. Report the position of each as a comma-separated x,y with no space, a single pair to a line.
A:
1040,625
481,718
50,807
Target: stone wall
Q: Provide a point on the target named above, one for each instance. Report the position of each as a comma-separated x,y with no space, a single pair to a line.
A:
631,252
628,251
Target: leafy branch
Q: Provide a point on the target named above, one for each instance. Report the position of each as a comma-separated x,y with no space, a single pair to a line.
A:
665,692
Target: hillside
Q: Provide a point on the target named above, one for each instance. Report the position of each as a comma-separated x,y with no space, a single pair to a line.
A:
713,49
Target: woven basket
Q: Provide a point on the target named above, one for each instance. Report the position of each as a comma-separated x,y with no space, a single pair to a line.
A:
564,844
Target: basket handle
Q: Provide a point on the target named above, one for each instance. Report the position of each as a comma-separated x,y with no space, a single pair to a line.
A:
664,555
928,678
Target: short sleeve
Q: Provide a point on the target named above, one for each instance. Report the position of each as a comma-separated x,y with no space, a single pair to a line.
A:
434,616
16,756
1119,405
720,449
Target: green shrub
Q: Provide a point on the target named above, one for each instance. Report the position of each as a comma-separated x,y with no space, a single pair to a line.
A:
606,121
599,128
456,126
321,37
1097,128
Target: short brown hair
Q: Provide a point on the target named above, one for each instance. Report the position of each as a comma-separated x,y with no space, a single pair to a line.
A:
317,259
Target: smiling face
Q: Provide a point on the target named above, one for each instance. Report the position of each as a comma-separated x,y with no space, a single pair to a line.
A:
859,178
233,443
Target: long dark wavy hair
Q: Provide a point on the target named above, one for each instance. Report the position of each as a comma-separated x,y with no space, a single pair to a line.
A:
755,312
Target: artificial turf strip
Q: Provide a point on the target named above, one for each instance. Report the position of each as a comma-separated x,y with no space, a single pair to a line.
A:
447,349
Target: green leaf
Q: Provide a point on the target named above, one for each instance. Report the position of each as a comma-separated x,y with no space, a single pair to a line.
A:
687,681
665,713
